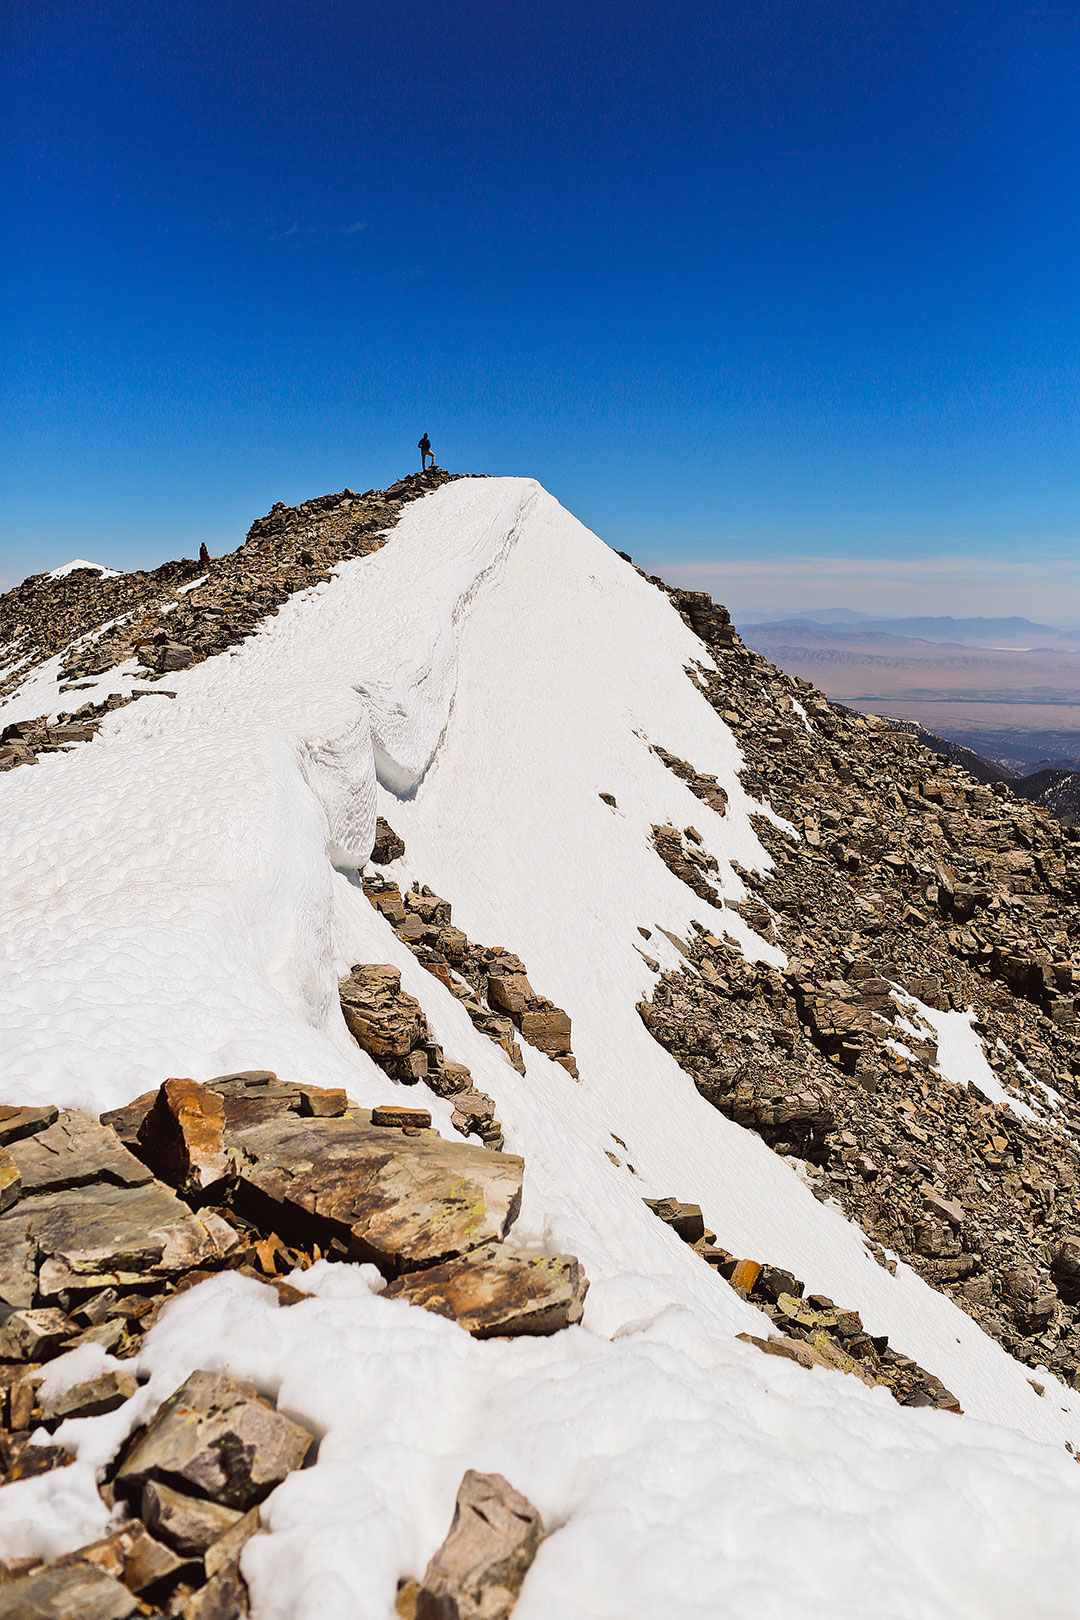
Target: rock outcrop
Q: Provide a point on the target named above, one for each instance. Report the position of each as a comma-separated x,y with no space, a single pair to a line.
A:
266,1175
491,983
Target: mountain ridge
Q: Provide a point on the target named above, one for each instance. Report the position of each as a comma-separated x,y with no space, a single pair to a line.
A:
763,922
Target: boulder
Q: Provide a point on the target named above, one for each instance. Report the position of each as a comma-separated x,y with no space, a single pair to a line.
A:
91,1396
511,992
492,1294
1065,1269
226,1550
548,1031
217,1438
224,1597
388,846
34,1335
685,1220
131,1555
172,656
33,1461
381,1017
480,1568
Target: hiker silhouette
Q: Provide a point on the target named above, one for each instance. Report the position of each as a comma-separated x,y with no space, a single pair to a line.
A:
424,447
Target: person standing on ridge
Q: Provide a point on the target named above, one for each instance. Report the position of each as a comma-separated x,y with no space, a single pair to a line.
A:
424,447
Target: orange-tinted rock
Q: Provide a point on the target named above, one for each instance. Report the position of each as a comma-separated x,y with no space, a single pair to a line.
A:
745,1275
183,1135
390,1114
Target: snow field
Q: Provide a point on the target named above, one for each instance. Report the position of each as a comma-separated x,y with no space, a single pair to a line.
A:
169,905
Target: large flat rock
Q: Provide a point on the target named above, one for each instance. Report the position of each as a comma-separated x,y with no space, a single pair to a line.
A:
76,1149
495,1294
403,1202
67,1592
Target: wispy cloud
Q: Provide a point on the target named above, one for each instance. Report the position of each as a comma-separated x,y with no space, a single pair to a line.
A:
279,236
351,230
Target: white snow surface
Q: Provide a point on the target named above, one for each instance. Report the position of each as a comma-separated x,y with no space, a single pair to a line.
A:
80,562
179,897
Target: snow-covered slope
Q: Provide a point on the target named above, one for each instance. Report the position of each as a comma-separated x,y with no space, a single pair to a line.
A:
179,897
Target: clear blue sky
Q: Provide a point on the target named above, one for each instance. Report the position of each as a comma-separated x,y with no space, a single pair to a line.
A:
738,280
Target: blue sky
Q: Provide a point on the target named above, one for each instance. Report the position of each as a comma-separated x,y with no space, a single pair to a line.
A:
745,285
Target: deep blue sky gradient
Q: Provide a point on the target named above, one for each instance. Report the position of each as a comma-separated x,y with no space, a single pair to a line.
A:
739,279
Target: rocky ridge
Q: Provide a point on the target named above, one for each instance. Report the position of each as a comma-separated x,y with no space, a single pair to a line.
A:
906,887
170,618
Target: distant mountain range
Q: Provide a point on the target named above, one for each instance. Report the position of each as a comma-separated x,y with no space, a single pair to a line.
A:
1008,688
926,628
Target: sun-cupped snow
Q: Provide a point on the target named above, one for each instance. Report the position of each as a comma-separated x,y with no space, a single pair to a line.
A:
179,897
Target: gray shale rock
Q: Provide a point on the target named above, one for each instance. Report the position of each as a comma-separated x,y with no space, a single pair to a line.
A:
480,1568
67,1592
188,1523
73,1151
100,1235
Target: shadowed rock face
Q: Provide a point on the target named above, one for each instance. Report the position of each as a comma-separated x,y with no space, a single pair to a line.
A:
492,1293
186,1127
480,1568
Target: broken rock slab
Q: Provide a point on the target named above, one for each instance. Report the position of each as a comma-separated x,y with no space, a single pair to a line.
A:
67,1592
480,1568
189,1524
34,1335
103,1235
403,1202
493,1294
72,1152
19,1122
91,1397
217,1437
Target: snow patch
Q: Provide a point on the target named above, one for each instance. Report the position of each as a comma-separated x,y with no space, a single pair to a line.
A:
80,562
